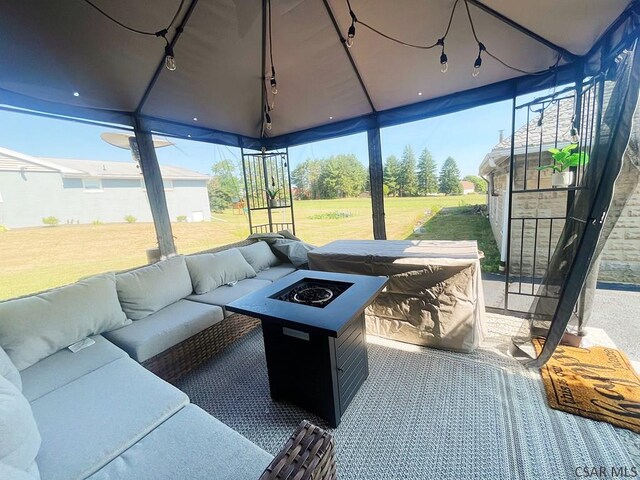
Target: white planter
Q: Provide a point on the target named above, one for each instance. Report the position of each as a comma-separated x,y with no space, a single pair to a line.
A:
562,179
273,203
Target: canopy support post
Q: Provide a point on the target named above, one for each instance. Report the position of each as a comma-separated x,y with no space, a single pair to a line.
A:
150,168
376,182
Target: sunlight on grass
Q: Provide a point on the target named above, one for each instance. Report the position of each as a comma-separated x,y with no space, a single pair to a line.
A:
35,259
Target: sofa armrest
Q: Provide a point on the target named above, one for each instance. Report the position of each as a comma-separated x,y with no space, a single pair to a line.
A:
308,455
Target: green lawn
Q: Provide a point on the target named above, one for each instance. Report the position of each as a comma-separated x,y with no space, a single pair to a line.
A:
463,223
38,258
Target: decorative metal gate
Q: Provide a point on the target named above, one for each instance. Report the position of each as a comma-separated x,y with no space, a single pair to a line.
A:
268,192
546,168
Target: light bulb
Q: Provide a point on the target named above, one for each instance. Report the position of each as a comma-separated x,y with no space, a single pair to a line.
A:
476,67
268,125
443,62
274,85
350,35
267,119
170,62
475,72
575,137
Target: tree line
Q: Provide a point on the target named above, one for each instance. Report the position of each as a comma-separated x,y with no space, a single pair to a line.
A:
343,175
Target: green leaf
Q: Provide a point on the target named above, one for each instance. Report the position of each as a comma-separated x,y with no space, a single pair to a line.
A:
554,151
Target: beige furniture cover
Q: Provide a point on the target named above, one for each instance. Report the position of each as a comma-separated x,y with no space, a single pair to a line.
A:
434,296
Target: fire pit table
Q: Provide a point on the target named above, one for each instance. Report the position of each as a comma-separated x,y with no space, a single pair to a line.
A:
314,337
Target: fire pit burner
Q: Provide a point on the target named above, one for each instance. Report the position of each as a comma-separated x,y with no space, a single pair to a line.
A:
314,293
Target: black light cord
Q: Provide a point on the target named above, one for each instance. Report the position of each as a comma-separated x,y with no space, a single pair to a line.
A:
160,33
483,48
440,42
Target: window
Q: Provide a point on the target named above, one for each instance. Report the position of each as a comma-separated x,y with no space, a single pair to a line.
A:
92,184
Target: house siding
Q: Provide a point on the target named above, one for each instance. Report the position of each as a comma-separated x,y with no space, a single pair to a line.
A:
28,196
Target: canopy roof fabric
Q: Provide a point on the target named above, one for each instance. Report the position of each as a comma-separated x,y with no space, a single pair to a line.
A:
53,49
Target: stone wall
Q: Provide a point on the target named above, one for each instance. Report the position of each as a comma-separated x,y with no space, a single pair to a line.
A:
620,257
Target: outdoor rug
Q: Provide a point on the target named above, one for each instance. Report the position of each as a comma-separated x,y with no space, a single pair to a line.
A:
594,382
422,414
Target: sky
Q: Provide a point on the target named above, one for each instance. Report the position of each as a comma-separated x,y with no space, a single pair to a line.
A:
466,136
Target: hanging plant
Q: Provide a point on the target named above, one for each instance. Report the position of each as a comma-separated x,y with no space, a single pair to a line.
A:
563,160
272,193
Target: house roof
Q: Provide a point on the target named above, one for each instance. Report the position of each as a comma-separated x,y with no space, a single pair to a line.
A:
58,49
11,160
105,169
535,134
466,185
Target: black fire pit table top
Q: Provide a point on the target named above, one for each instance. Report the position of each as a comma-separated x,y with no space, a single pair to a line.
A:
267,303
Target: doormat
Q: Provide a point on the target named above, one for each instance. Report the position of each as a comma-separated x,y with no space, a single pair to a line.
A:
595,382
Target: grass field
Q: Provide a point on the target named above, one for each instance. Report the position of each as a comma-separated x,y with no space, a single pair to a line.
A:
34,259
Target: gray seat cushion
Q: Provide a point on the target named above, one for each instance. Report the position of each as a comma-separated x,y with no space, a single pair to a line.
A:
64,367
274,273
167,327
191,444
90,421
226,294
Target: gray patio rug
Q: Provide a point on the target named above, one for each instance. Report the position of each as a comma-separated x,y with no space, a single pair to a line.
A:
421,414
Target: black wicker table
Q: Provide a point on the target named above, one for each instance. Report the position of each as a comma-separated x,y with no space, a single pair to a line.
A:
314,337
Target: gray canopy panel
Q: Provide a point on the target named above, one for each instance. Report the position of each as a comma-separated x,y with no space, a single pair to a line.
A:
52,49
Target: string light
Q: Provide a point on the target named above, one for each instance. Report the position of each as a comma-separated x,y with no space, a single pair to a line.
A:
443,57
478,63
444,61
169,57
351,33
274,84
267,119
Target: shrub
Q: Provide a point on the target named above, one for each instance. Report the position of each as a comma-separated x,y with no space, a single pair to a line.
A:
50,221
181,218
335,215
97,222
130,219
3,229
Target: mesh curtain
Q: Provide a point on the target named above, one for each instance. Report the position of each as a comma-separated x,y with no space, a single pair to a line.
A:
610,178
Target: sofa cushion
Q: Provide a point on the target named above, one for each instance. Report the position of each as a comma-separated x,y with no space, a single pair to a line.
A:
19,436
35,327
173,324
211,270
259,256
221,296
148,289
274,273
65,366
268,237
90,421
8,370
191,444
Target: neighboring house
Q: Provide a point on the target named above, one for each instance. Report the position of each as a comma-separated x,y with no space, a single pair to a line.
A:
537,239
467,187
86,191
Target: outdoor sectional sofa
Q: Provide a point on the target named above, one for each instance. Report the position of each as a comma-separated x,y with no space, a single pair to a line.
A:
98,413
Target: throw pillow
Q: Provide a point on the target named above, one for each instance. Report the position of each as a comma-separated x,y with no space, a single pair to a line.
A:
211,270
19,436
35,327
148,289
259,256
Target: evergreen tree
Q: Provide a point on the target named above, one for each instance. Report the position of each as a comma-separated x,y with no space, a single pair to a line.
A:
427,174
408,180
450,178
390,174
479,183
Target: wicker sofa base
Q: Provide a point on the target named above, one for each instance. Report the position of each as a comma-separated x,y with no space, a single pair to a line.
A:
180,359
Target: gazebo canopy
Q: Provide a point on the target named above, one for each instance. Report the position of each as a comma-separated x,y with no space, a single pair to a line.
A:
68,58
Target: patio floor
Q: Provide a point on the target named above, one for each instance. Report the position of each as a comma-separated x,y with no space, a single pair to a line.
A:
423,413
